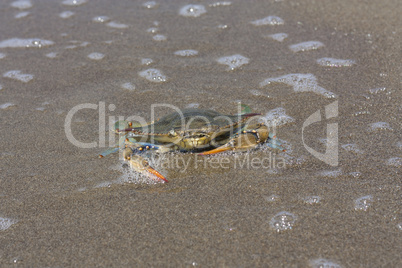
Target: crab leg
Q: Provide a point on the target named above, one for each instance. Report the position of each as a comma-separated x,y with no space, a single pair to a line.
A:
247,139
141,165
241,142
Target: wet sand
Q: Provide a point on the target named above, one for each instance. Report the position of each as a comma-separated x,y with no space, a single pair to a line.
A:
60,205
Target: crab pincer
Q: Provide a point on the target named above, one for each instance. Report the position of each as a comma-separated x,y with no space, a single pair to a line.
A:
141,165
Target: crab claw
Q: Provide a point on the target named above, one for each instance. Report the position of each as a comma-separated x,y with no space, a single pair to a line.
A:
216,150
142,166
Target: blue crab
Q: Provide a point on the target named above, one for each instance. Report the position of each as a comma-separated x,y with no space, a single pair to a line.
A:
193,130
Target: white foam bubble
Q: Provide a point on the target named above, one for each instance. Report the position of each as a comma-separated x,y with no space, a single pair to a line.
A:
146,61
351,147
234,61
324,263
101,19
277,117
193,105
377,90
394,161
41,109
363,203
22,4
6,223
159,37
192,10
1,87
270,20
186,53
6,105
331,62
74,2
66,14
30,42
128,86
306,46
379,126
283,221
51,55
2,56
222,26
153,75
21,14
311,200
96,56
17,75
331,173
355,174
300,83
221,4
272,198
152,30
280,37
150,4
84,44
117,25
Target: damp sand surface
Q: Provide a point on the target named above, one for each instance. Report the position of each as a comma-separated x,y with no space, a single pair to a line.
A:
60,205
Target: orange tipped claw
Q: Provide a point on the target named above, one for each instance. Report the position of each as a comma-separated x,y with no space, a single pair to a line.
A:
157,174
215,151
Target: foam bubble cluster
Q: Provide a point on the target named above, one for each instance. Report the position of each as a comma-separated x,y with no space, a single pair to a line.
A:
323,263
272,198
300,83
330,173
363,203
314,199
394,161
74,2
159,37
379,126
278,117
234,61
186,53
6,105
2,56
220,4
306,46
146,61
5,223
193,105
351,147
117,25
331,62
17,75
192,10
150,4
153,75
30,42
270,20
101,19
51,55
22,4
66,14
21,14
283,221
128,86
377,90
96,56
278,36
